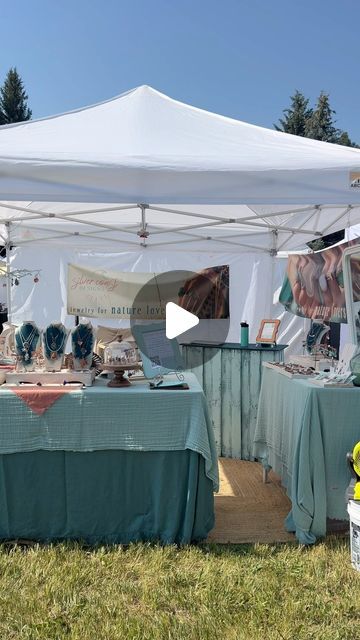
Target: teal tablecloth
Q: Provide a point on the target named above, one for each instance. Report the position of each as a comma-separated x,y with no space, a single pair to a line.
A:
304,432
108,465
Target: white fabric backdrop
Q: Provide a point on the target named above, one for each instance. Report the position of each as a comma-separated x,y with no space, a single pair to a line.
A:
255,282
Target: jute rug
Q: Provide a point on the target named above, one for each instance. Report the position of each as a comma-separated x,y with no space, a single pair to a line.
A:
246,509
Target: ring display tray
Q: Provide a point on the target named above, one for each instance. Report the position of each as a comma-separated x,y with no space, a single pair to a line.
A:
280,368
54,378
324,384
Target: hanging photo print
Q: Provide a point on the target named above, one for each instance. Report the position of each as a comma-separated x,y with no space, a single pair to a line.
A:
314,284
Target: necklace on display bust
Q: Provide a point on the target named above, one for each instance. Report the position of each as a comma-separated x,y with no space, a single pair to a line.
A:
82,343
55,336
315,334
26,338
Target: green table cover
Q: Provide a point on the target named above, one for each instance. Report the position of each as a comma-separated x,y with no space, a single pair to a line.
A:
108,465
304,432
105,496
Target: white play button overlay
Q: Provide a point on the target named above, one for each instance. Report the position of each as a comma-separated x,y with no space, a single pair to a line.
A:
177,296
178,320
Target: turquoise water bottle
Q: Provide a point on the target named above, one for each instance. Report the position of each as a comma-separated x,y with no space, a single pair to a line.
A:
244,334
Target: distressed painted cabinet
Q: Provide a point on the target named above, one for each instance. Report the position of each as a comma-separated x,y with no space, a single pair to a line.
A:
231,377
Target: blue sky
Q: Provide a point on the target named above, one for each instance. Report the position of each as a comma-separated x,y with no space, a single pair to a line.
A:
241,58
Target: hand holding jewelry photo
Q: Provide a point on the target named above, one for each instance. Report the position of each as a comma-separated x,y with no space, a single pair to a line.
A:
54,342
27,342
82,343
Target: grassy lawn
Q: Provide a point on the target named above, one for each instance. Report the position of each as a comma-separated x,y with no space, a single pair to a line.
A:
207,592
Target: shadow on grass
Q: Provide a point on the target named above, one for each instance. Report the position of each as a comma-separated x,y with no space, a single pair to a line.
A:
332,542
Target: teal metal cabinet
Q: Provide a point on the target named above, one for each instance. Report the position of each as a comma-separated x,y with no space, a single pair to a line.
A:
231,377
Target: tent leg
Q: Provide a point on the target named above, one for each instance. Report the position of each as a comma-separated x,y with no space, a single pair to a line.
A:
273,254
265,473
8,272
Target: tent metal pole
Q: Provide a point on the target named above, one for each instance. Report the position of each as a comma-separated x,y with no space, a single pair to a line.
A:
279,227
142,232
143,216
189,227
8,271
273,254
344,213
191,214
44,214
318,209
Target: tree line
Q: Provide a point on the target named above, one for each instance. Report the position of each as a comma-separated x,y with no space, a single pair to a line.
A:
316,122
299,118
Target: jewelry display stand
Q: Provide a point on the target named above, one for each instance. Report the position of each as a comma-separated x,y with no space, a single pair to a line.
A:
7,345
54,340
82,344
27,343
315,335
32,369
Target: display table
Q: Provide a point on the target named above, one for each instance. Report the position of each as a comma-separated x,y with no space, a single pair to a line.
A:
304,432
108,465
231,377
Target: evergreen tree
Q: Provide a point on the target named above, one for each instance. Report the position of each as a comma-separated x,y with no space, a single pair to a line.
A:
318,124
13,99
296,117
321,124
344,139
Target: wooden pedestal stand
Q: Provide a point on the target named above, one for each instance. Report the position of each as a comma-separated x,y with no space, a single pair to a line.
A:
119,379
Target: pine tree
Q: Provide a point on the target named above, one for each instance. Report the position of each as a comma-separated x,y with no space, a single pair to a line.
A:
318,124
296,117
345,140
321,123
13,99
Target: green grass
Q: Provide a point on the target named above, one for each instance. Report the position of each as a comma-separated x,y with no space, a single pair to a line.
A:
209,592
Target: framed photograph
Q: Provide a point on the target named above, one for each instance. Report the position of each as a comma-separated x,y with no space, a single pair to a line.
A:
268,331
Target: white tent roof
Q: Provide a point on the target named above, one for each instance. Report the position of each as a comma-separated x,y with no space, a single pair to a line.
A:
144,169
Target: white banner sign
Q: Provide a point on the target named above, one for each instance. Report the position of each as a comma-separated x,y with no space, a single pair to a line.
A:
123,295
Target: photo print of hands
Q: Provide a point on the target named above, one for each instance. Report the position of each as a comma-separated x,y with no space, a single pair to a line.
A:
314,285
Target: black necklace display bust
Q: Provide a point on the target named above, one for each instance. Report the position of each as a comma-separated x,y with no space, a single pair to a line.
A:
82,344
27,343
315,334
54,342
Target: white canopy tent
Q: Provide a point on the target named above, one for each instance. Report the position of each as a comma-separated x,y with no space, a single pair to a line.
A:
144,172
172,174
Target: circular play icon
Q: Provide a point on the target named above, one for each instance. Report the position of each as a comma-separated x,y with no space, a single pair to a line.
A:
185,307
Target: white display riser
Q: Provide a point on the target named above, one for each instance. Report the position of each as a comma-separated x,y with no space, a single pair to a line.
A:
48,377
319,364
